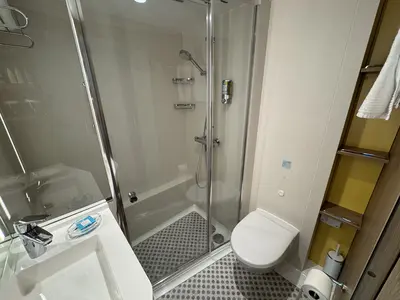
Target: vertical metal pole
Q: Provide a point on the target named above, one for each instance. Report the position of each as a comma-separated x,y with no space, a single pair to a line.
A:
247,109
76,16
210,96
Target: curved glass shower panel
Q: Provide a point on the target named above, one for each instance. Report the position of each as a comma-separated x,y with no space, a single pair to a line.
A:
50,159
149,63
233,32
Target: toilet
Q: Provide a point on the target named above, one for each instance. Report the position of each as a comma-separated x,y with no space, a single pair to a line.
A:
261,240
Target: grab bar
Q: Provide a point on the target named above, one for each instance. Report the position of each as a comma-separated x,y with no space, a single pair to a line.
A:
13,26
8,27
30,45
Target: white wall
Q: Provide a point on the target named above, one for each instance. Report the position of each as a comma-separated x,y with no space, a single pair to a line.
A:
261,36
314,53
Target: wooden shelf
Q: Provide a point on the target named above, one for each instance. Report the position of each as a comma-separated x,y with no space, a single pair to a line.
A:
371,69
342,214
365,153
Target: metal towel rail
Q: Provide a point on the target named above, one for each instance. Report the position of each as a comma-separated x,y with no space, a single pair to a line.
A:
9,27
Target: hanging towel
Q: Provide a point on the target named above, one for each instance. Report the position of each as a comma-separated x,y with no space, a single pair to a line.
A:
385,93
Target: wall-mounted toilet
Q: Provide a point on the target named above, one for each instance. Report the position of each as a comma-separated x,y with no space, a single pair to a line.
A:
261,240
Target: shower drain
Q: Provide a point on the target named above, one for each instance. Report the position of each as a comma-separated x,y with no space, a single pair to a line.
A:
218,238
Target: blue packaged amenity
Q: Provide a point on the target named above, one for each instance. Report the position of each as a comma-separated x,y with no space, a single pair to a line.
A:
84,226
84,223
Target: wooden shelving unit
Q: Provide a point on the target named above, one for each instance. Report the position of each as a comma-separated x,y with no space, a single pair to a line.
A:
342,214
380,156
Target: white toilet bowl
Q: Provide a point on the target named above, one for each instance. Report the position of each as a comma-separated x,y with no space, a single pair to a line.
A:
261,240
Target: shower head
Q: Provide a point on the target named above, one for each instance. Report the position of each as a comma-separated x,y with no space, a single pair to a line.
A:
186,55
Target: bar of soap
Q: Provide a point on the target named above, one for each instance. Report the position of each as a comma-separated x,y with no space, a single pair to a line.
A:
84,223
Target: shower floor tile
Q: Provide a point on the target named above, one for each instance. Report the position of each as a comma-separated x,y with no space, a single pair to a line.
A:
227,279
163,252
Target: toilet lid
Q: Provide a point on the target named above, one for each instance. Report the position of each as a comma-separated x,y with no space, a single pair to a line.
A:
259,241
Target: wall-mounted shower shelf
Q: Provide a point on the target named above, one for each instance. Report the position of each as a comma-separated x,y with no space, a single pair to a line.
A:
380,156
342,215
189,80
185,106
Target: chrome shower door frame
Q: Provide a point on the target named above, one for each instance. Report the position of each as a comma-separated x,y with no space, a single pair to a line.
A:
89,82
210,120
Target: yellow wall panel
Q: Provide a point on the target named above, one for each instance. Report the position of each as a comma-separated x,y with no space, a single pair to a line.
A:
353,183
326,238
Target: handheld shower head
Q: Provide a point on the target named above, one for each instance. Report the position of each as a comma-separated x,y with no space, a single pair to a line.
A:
186,55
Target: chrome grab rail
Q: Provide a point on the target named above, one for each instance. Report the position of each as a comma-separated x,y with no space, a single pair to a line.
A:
8,27
30,45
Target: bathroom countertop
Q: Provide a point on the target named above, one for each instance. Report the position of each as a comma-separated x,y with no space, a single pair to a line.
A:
113,264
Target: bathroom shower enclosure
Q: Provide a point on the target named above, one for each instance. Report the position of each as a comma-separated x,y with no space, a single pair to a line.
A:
173,150
152,73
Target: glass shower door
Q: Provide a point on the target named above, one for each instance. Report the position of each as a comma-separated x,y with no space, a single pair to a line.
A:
234,28
150,66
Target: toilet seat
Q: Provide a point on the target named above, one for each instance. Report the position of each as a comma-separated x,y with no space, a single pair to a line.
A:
261,239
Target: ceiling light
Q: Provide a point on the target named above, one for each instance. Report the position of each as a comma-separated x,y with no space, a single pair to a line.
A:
140,1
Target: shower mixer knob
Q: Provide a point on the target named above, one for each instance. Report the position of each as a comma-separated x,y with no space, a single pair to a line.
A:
132,197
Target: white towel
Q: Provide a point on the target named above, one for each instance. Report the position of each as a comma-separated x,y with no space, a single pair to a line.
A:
385,93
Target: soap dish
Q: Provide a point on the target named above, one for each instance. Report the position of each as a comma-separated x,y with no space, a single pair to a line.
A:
74,231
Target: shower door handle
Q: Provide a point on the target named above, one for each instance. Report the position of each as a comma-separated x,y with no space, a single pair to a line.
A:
132,197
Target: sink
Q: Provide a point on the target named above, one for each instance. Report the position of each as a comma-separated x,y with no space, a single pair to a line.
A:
98,266
80,272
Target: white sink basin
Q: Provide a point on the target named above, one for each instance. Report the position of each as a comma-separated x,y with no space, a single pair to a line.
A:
81,272
98,266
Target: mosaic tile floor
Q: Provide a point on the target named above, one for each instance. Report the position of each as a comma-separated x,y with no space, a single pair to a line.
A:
173,246
228,280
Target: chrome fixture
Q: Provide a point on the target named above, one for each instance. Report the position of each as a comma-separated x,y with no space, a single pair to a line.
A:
186,55
189,80
203,140
209,117
227,91
200,158
10,28
34,238
132,197
203,2
189,106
